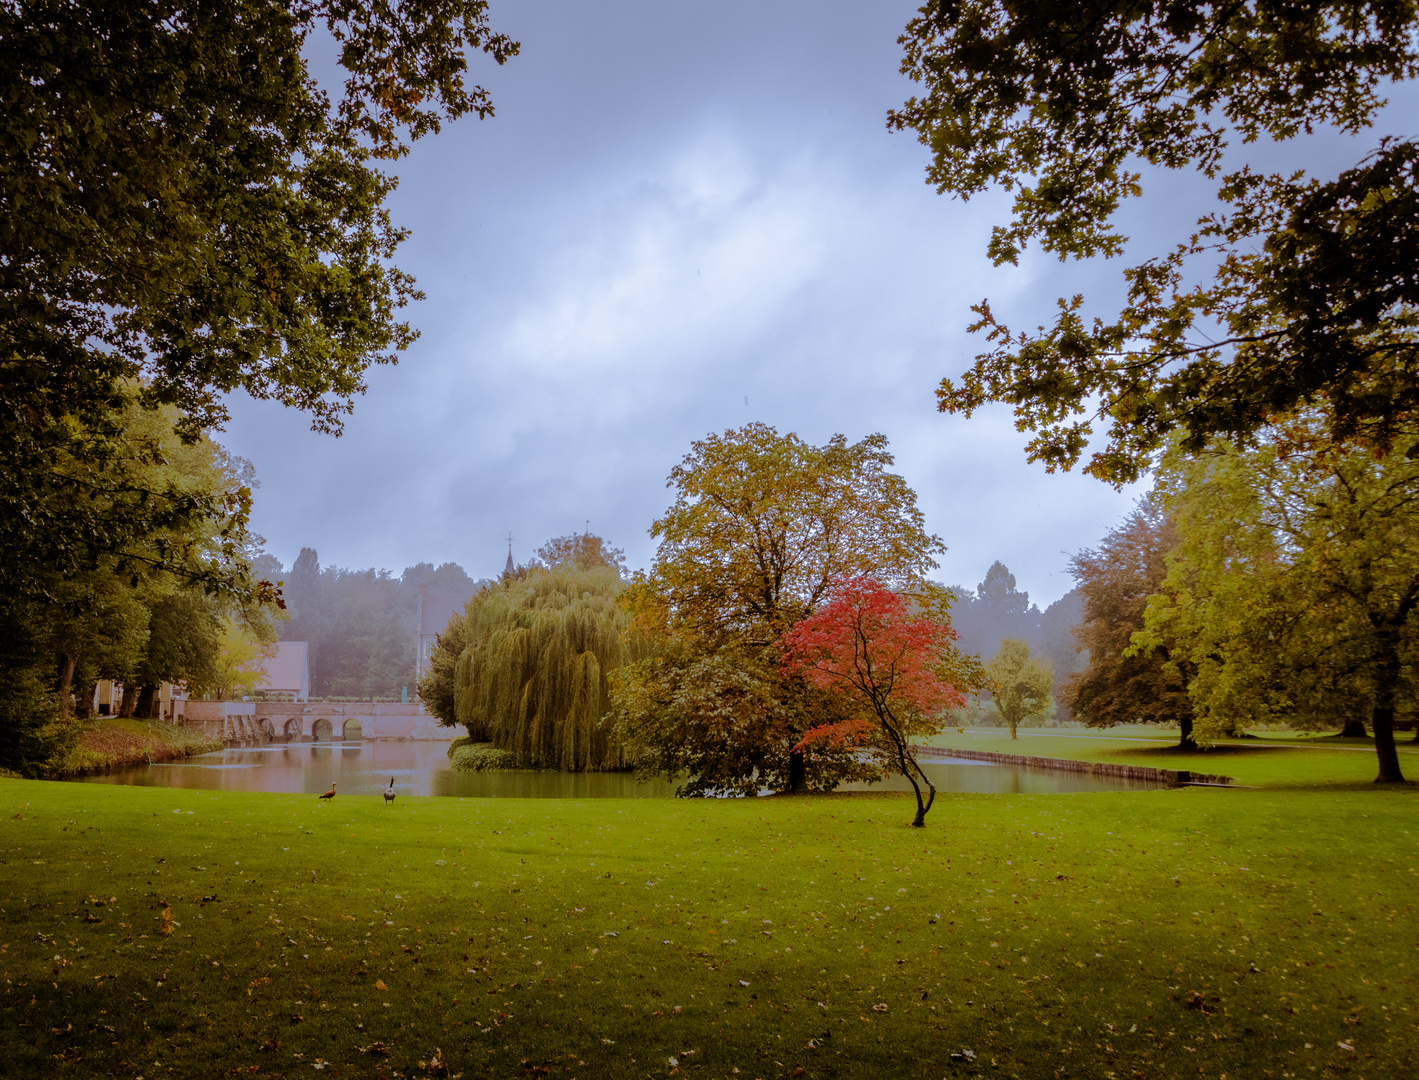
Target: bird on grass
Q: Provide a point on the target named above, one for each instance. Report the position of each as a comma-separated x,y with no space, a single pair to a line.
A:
331,793
389,792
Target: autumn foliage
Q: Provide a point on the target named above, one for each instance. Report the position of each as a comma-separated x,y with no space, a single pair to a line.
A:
866,643
761,526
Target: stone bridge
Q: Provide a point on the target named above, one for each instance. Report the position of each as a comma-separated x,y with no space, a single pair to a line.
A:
318,720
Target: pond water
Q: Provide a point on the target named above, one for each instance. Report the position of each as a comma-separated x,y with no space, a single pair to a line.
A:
421,768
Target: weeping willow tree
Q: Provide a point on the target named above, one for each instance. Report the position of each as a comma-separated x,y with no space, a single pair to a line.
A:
532,676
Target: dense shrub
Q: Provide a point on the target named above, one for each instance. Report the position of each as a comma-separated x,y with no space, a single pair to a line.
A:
468,756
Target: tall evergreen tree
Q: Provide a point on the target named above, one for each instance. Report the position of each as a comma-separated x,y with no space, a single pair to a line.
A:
1056,644
993,610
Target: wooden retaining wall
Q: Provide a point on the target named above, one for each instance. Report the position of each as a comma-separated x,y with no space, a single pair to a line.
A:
1170,777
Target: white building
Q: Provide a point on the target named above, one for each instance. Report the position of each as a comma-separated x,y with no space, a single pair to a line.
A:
435,609
287,672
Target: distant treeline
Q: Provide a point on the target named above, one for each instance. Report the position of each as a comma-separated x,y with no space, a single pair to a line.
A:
995,609
360,623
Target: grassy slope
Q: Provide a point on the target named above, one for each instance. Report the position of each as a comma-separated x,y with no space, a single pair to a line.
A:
1280,761
1048,935
109,742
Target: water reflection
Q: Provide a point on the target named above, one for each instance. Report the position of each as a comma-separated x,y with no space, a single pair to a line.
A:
984,778
364,768
421,768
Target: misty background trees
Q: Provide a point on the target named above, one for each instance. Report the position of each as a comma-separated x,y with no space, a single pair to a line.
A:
360,624
996,609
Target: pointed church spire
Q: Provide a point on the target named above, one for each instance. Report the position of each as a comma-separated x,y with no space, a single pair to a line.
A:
510,568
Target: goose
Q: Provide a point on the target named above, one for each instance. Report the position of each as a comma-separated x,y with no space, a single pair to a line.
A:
331,793
389,792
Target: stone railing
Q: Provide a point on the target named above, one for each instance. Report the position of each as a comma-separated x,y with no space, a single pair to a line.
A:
261,721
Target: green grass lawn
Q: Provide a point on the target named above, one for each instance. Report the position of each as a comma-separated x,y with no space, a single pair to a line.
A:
1182,933
1273,760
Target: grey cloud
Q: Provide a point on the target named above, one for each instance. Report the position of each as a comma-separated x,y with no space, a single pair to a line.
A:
677,207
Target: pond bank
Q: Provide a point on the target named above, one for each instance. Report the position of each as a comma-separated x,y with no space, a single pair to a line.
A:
112,743
364,769
1170,777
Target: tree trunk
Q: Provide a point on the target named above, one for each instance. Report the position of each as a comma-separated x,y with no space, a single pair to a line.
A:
147,707
1186,741
1013,725
1354,728
84,700
911,770
919,822
1382,715
797,772
129,702
906,762
66,683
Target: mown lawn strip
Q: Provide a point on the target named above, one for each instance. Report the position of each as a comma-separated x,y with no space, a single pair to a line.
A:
1252,933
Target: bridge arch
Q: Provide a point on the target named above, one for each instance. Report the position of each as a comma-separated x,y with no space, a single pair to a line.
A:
293,727
267,730
353,729
321,730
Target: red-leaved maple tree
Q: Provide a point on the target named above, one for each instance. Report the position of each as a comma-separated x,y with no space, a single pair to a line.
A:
866,642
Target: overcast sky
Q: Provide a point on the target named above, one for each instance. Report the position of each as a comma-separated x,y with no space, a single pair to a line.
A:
684,217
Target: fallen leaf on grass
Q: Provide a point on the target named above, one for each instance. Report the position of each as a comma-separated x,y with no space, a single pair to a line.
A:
1201,1002
379,985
